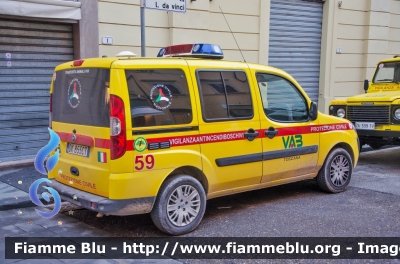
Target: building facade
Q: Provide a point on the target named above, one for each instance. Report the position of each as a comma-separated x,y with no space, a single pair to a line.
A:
36,36
329,46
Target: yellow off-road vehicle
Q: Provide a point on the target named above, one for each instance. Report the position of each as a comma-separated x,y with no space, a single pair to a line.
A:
375,114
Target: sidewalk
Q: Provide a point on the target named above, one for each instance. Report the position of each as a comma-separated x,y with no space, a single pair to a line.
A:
14,188
18,218
26,222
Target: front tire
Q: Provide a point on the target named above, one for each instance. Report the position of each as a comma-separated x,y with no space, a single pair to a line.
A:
335,174
180,205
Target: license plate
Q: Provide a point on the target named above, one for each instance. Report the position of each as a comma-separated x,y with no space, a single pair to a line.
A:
78,150
365,125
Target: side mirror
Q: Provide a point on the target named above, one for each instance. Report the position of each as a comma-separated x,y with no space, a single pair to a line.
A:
366,85
313,111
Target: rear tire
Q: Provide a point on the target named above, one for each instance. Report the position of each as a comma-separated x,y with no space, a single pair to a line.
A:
180,205
335,174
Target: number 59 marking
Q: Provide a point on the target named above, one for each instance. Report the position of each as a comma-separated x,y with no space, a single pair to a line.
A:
142,161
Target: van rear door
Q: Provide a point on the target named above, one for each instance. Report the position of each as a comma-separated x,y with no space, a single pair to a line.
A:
80,116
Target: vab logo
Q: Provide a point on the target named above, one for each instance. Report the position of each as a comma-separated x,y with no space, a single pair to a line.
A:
51,162
293,141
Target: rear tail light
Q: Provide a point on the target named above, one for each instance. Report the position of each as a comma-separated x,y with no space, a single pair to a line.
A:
117,127
51,109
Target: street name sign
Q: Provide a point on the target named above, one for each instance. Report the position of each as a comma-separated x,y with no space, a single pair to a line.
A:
167,5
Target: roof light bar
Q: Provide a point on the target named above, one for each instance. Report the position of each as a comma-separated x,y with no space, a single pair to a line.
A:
192,50
78,63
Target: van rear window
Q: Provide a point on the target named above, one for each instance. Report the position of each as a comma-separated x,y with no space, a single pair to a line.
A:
81,96
158,97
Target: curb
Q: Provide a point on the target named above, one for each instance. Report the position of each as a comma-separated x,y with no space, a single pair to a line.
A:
24,204
27,204
15,164
383,149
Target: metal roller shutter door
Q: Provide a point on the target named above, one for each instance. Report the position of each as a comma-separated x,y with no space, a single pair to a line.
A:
35,48
295,41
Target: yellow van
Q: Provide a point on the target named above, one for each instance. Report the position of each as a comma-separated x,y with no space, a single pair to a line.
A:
162,135
375,114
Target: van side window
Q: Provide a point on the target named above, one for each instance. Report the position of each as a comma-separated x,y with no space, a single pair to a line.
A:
225,95
158,97
281,100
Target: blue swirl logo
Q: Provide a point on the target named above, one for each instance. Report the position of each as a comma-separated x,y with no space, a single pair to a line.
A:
51,162
46,151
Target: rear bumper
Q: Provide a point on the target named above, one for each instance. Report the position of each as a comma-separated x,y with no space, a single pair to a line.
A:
101,204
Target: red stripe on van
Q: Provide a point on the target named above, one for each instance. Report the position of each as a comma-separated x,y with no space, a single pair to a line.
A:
105,144
102,143
200,139
79,139
288,131
129,145
231,136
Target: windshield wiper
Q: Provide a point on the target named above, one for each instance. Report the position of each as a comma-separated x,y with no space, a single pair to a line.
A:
390,80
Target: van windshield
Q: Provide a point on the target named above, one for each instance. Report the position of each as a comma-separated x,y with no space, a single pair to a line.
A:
81,96
387,73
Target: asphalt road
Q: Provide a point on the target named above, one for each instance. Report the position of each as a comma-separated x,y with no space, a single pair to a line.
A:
370,207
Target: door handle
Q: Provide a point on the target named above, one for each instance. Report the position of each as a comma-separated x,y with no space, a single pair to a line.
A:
271,132
251,134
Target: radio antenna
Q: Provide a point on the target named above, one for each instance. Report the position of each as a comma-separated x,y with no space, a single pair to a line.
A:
232,33
170,39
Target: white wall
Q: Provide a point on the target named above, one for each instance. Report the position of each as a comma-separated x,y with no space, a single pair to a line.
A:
203,22
366,30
